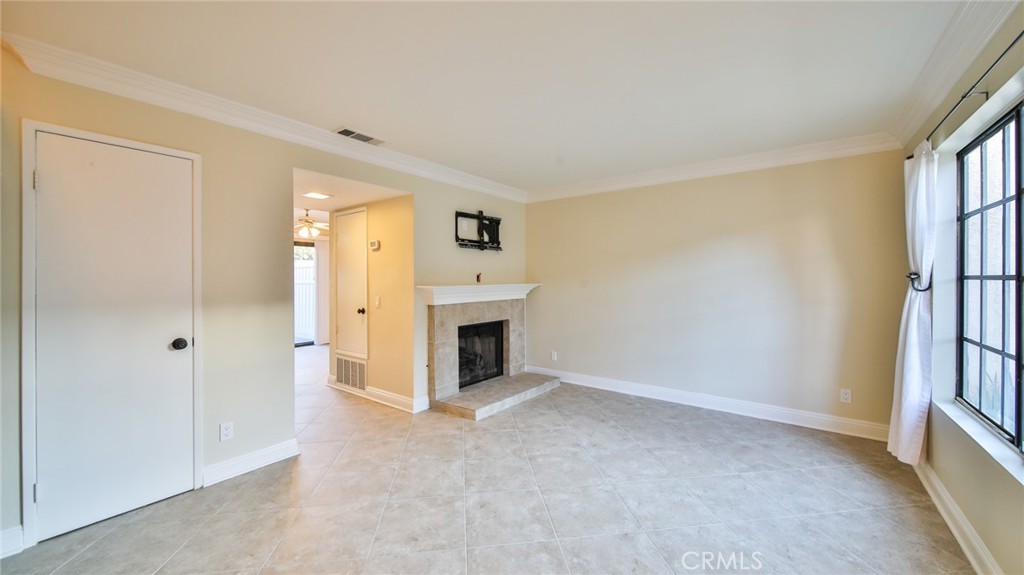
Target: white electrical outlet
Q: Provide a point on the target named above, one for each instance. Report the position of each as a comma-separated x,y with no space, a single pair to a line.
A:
554,355
227,430
846,396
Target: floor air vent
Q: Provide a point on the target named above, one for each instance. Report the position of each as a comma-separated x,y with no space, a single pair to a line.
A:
354,135
351,373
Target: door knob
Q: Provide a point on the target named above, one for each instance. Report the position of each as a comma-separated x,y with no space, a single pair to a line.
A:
361,310
179,343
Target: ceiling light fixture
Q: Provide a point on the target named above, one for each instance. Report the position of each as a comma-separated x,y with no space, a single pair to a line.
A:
316,195
307,227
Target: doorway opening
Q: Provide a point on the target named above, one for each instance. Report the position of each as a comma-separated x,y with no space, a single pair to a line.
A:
326,209
305,297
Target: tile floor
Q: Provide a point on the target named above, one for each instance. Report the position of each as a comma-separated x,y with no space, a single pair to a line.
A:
575,481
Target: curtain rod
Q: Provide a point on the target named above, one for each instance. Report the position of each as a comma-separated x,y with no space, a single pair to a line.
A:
970,91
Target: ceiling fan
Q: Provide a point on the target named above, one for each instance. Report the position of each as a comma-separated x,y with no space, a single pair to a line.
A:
309,228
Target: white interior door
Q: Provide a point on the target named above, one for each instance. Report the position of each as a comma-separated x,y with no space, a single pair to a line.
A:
349,229
113,264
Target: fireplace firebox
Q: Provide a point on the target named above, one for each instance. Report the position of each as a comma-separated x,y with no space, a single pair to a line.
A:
481,352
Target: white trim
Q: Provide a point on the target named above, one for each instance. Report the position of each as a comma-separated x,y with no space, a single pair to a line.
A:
197,320
28,334
843,425
446,295
1002,452
970,30
382,396
11,541
760,161
48,60
28,305
973,545
421,403
213,474
967,34
944,326
997,105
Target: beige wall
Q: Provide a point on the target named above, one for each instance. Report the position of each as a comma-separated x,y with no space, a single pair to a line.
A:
987,494
990,498
390,277
10,292
779,286
246,267
439,261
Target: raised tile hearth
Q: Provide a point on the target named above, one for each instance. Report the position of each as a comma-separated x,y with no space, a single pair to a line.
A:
489,397
448,308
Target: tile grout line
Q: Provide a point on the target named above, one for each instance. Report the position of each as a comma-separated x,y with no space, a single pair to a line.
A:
387,497
302,506
852,553
83,550
639,525
547,510
213,515
465,505
187,540
284,533
899,493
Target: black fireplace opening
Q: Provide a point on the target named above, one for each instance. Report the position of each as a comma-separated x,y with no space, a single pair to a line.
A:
481,352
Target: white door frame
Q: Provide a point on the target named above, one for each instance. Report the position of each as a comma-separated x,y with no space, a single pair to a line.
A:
29,128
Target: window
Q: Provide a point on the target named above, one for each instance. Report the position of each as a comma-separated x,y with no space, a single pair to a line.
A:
989,277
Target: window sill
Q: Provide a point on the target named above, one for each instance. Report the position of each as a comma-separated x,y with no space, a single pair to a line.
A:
1000,451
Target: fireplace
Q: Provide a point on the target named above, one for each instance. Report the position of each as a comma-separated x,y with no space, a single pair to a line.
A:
481,352
449,307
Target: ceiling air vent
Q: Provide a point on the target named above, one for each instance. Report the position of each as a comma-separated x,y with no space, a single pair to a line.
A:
358,136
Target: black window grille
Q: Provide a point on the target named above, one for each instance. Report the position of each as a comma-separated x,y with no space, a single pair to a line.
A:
989,277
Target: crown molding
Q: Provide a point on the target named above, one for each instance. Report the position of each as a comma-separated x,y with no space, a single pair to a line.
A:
747,163
60,64
971,29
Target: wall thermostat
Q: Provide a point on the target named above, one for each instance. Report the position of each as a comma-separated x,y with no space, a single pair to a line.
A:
375,245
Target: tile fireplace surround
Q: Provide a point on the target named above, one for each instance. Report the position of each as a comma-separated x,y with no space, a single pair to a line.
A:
449,307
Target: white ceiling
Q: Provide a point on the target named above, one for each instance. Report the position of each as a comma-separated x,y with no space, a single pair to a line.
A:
344,193
536,96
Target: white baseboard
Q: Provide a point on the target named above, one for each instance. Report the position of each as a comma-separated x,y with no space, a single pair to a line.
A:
420,404
249,462
388,398
843,425
974,548
12,541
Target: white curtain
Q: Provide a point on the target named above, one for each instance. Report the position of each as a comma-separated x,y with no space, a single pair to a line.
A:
912,391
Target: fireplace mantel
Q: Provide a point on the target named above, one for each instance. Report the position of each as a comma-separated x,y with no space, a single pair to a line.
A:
447,295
